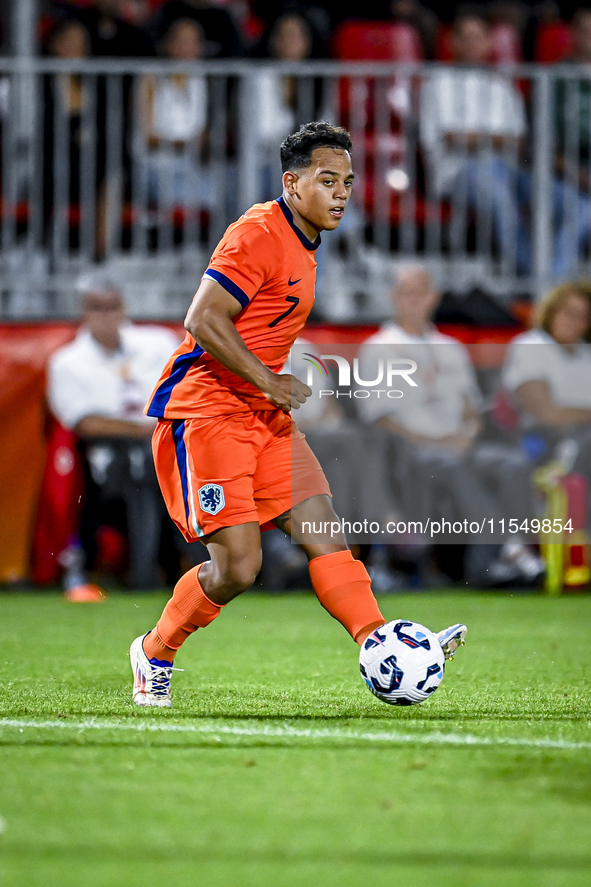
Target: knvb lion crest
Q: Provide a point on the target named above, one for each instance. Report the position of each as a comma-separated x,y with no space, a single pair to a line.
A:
211,498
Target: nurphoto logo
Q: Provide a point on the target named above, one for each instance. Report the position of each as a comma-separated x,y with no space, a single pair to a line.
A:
387,373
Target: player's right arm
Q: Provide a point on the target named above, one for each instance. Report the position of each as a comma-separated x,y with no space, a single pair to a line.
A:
210,322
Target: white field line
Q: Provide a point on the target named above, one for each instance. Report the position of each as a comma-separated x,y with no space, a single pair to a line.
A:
288,732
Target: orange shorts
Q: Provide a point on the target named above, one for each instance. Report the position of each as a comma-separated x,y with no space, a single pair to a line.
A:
233,469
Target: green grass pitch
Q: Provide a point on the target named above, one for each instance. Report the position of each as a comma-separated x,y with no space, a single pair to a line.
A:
277,768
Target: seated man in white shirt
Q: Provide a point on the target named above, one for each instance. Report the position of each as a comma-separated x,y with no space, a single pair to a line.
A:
354,457
98,385
548,373
443,470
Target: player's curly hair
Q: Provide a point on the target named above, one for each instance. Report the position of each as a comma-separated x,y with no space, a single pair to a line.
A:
296,150
554,300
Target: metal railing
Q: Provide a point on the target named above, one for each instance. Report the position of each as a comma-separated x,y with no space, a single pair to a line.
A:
88,173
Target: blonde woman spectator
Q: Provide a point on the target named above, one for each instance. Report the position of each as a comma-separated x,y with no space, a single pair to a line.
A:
548,372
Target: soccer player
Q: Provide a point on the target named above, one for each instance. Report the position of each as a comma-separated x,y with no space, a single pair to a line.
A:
228,456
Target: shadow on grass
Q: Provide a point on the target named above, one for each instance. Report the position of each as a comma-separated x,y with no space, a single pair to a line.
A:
391,715
185,741
481,860
394,715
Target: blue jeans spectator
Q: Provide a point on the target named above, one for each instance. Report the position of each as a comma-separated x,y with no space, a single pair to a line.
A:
495,188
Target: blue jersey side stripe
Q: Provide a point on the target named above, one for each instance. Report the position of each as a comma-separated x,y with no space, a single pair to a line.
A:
180,368
228,285
178,431
178,434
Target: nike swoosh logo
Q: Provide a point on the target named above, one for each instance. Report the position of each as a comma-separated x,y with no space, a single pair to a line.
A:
291,282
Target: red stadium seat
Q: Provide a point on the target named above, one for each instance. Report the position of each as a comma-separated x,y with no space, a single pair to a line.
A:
553,42
443,51
58,512
360,40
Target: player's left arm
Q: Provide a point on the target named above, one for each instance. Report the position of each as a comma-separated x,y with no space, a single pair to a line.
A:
210,322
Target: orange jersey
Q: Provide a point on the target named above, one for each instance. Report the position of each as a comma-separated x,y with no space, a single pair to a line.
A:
269,265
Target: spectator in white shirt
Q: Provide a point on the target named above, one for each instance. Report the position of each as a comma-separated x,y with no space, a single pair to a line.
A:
473,126
444,470
361,498
98,385
472,119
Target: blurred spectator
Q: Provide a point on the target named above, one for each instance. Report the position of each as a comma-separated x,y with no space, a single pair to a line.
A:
342,444
472,123
134,12
98,386
222,39
511,12
110,35
291,36
4,115
322,16
424,20
443,469
70,124
284,102
573,149
174,124
77,112
548,373
472,126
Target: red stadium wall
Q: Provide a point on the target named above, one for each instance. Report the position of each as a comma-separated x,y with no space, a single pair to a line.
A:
24,430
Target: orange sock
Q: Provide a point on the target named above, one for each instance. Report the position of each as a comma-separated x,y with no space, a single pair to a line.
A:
343,587
188,609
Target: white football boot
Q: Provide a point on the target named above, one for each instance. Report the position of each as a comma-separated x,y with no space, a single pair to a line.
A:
151,680
451,638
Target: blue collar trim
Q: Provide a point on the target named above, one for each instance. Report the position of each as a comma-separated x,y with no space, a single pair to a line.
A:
309,244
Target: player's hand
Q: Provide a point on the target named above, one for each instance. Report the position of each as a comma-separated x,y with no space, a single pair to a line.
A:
287,392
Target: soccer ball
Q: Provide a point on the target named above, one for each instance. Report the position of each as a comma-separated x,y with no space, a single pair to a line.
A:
402,662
